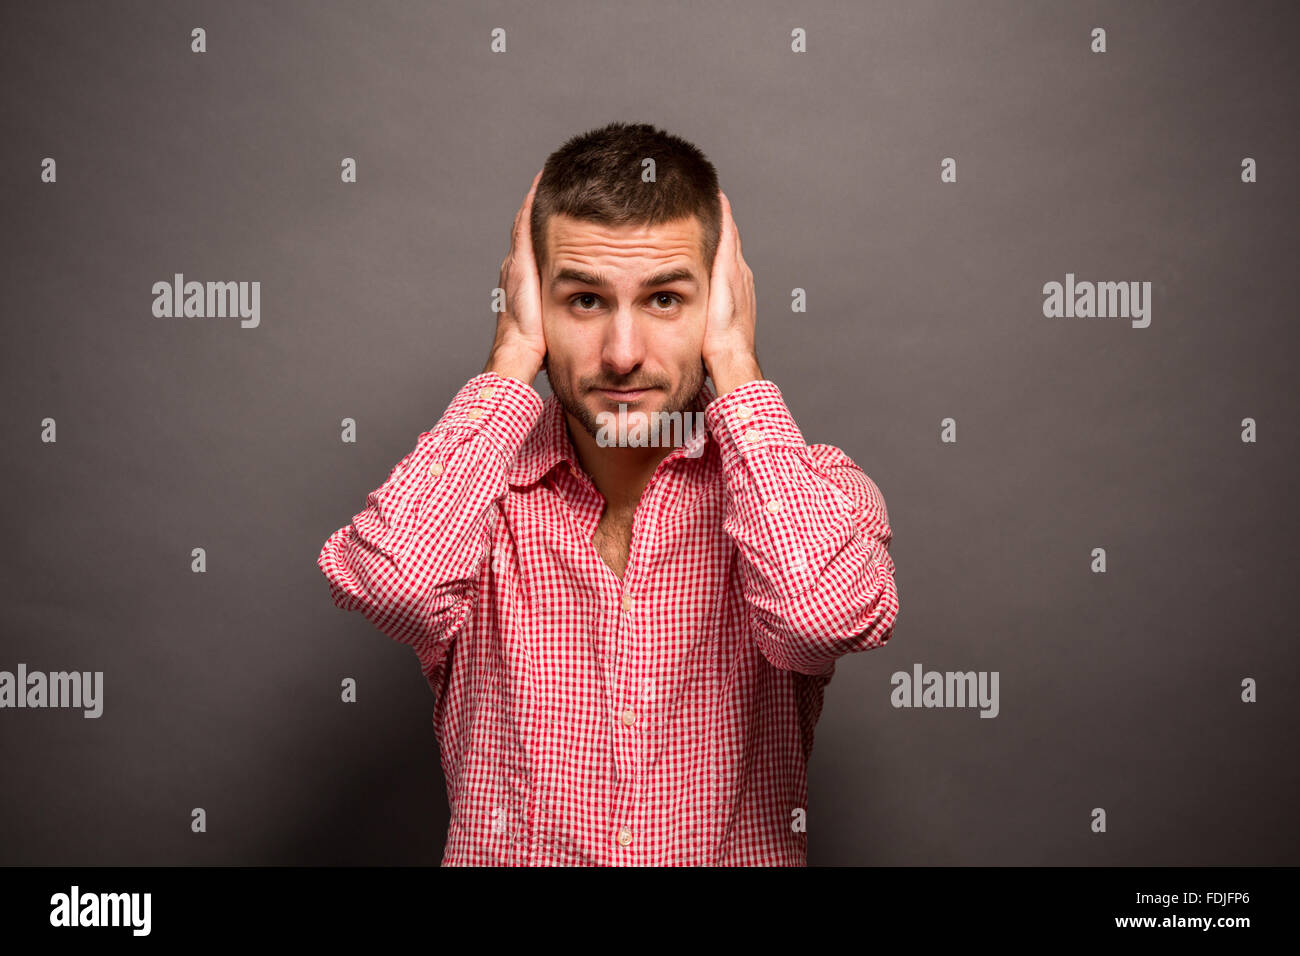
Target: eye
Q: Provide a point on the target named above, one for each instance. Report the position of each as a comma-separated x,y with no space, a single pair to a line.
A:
583,295
672,296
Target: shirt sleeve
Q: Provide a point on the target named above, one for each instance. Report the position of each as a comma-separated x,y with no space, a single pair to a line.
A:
812,531
410,561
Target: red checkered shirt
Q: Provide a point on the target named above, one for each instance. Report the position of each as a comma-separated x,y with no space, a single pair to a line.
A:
662,719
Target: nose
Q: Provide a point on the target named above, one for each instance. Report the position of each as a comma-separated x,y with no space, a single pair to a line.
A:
624,345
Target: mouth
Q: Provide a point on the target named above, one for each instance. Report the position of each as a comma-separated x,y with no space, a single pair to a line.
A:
624,395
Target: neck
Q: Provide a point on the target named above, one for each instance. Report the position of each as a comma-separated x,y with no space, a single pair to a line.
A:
620,474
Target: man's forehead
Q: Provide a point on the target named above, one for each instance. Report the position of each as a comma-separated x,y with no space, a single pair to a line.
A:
574,247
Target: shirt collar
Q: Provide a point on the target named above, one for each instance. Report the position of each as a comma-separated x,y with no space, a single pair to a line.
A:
548,444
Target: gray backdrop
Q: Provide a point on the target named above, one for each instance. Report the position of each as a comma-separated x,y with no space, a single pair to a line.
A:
1119,690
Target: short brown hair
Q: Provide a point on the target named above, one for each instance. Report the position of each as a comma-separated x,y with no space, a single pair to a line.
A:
596,176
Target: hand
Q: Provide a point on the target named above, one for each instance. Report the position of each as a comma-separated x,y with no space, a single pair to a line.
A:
728,349
520,344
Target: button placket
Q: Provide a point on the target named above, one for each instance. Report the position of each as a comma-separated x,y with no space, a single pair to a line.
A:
626,750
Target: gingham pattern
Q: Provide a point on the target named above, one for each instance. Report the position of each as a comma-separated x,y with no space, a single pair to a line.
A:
664,719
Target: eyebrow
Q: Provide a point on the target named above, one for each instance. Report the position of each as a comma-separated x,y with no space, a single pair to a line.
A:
588,278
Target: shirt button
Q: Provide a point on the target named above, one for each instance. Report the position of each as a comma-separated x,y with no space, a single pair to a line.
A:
752,435
474,412
774,506
624,836
743,411
435,469
626,602
485,392
629,718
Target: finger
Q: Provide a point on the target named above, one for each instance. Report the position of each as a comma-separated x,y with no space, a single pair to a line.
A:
526,206
733,232
514,232
524,230
724,241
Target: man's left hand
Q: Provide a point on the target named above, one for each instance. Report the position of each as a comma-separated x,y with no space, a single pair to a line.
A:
728,349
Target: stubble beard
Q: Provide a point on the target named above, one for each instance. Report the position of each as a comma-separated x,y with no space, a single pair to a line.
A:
680,401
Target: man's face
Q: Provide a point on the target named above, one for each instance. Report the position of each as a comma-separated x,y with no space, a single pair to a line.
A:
623,309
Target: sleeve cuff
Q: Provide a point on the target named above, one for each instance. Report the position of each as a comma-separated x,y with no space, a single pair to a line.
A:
501,408
751,416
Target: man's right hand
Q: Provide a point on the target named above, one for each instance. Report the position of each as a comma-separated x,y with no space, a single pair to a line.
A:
520,345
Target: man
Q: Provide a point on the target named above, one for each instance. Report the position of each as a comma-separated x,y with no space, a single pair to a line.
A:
628,644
